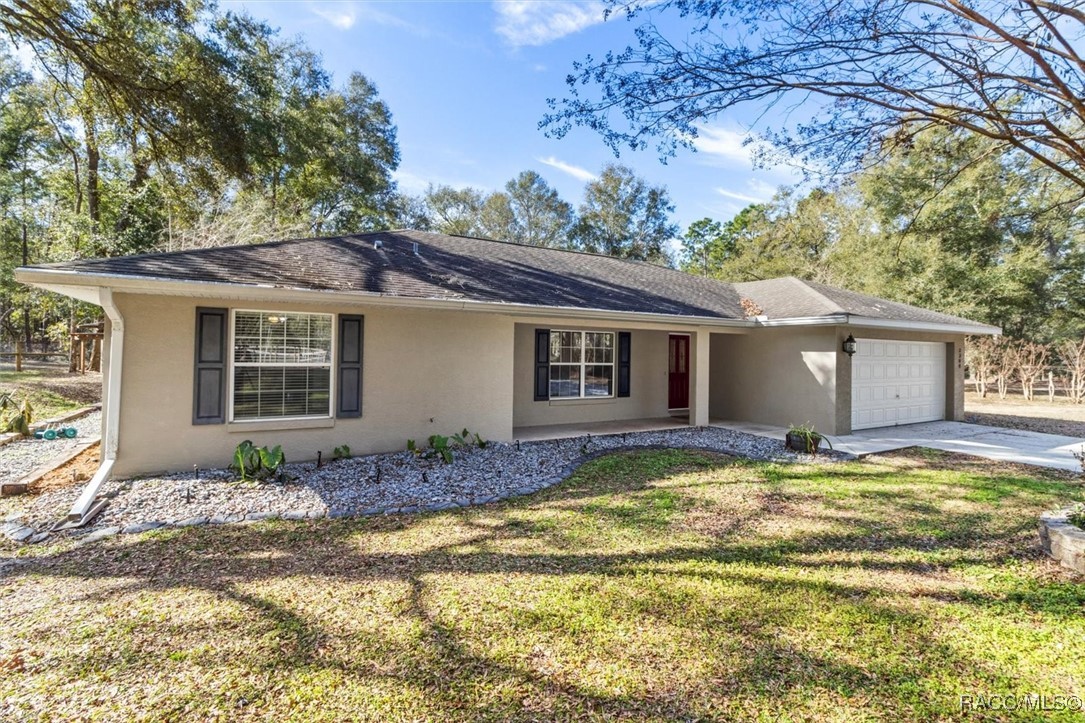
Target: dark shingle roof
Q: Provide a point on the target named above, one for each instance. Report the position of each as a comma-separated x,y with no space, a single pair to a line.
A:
790,297
473,269
445,267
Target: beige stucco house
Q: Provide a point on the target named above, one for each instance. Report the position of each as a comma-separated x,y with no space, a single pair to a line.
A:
373,339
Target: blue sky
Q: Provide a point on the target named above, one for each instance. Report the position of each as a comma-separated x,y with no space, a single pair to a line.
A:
467,84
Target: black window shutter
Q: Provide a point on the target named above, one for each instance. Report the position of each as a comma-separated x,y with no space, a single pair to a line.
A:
349,386
209,380
542,365
625,355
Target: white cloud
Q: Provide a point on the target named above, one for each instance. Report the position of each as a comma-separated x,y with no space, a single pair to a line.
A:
581,174
410,182
742,196
764,189
538,22
726,145
341,15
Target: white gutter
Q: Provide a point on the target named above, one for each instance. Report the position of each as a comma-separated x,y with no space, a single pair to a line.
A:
111,406
869,322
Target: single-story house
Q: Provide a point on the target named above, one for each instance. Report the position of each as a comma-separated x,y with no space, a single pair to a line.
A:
373,339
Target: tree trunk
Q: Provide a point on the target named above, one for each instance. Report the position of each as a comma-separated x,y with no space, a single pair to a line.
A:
90,133
93,191
96,355
28,332
72,362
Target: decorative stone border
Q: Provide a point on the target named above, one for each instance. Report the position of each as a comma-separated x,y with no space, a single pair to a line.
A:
1062,541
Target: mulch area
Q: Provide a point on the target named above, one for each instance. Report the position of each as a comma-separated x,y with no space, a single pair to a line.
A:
74,472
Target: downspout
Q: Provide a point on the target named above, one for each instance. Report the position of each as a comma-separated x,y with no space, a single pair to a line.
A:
111,405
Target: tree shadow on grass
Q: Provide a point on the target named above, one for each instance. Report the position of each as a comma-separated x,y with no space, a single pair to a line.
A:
745,603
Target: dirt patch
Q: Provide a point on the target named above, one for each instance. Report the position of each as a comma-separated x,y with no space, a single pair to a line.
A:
1044,425
72,473
1038,415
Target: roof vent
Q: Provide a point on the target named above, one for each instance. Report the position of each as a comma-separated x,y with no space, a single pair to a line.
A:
414,247
378,244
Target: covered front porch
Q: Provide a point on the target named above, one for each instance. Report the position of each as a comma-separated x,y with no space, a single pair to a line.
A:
575,379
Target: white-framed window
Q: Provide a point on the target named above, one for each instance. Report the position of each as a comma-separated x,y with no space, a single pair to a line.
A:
282,365
581,364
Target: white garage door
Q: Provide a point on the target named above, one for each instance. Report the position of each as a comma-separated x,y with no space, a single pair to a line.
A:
897,382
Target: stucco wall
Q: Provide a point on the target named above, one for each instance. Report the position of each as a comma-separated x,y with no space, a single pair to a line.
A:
792,375
777,376
453,367
647,391
954,369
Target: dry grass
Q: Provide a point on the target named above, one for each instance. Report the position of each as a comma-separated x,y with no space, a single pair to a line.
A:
651,585
1015,412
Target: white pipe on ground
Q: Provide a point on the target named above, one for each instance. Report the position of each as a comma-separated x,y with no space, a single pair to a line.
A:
111,405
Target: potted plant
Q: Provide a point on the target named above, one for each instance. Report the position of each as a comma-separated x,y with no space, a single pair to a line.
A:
804,438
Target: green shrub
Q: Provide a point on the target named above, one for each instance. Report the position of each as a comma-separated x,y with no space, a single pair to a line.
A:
442,446
259,463
341,452
1077,515
439,445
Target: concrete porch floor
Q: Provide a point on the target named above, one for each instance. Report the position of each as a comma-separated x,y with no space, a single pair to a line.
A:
562,431
997,443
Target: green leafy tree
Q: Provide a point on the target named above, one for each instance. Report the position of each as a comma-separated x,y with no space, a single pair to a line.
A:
496,218
455,210
949,222
540,216
622,215
708,246
167,124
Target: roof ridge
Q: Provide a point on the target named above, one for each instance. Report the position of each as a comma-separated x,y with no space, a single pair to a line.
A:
896,302
706,280
402,231
805,284
597,254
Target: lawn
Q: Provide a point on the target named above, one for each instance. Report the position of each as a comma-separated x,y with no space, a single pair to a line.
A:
51,389
655,585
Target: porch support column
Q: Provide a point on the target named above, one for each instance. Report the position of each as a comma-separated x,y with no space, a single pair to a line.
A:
700,343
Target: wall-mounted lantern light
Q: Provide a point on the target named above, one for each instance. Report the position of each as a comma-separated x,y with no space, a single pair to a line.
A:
850,345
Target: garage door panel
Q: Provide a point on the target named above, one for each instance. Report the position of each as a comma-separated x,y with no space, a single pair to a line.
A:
897,382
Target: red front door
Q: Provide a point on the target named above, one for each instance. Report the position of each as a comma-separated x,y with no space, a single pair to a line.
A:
679,372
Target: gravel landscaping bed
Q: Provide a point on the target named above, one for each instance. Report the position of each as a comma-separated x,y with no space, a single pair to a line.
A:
24,456
377,484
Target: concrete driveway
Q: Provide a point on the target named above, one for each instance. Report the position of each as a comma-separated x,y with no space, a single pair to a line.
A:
997,443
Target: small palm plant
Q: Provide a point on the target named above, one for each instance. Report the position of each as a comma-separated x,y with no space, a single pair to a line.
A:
15,416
